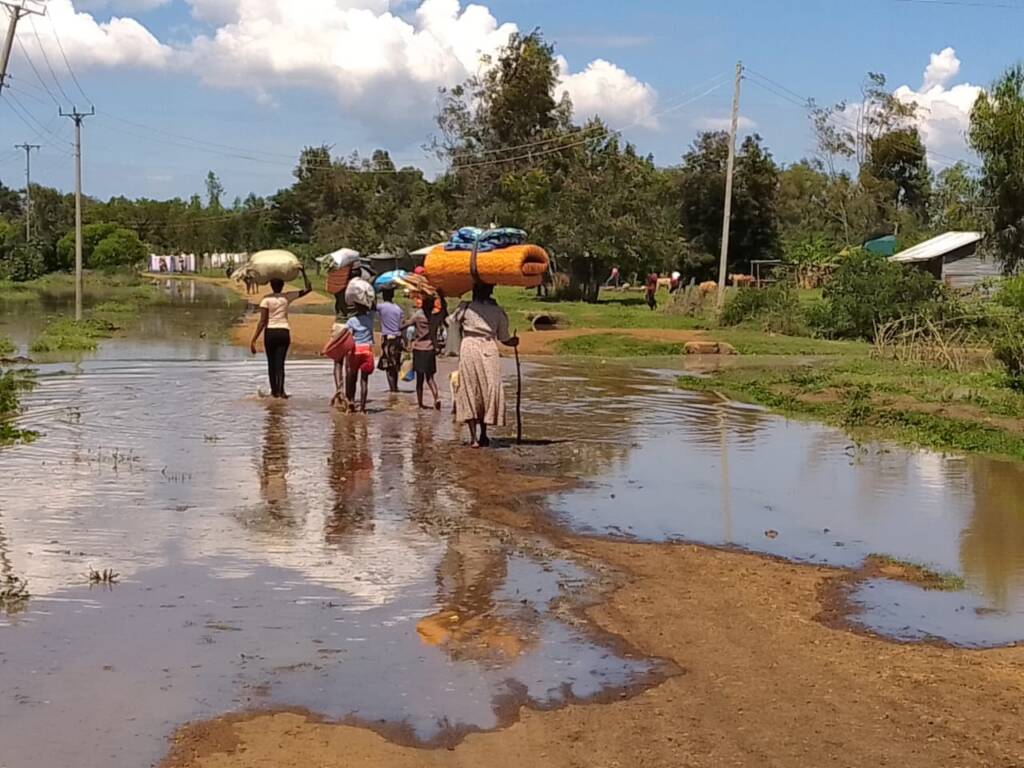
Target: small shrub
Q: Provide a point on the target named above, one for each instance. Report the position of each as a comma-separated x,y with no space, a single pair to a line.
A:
776,308
1011,293
1008,348
23,263
867,291
7,347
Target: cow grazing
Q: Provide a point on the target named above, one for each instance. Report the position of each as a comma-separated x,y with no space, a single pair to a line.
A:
742,281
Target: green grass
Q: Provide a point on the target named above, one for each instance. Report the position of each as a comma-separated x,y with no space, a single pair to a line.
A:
923,575
65,335
614,310
914,405
7,347
13,383
616,345
751,341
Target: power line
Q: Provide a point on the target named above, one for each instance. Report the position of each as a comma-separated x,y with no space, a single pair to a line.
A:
788,94
39,77
42,49
722,78
64,55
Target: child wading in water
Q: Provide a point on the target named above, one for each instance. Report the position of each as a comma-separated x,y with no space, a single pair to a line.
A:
360,361
424,349
391,319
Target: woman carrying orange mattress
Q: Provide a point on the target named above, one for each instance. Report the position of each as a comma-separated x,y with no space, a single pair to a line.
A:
516,265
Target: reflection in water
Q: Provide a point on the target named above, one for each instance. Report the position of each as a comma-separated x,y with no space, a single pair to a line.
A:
350,476
274,469
992,547
472,625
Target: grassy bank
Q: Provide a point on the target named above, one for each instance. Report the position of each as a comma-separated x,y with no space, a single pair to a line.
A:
915,405
13,382
115,302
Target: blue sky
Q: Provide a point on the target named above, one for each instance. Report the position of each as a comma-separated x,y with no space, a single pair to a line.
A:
270,88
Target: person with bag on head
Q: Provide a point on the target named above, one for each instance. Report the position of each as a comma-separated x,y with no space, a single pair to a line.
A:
273,326
480,398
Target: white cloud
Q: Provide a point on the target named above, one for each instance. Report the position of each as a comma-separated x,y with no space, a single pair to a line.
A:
121,6
89,43
745,124
608,91
381,60
945,110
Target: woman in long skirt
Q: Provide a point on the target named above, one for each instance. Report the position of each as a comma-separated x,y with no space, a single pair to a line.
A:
480,398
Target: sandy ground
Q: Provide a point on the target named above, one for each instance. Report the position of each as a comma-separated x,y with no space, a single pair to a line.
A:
310,331
768,679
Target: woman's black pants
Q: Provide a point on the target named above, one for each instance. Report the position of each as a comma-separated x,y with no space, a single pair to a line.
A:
277,341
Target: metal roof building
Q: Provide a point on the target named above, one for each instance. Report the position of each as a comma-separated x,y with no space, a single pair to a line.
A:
937,254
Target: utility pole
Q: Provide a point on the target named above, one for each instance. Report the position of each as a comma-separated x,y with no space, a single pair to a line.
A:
28,187
723,267
78,117
15,9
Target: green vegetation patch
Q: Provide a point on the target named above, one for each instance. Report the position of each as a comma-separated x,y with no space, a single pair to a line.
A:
65,335
616,345
13,383
913,405
7,347
916,573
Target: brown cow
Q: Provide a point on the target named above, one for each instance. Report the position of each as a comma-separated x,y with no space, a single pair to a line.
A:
742,281
706,289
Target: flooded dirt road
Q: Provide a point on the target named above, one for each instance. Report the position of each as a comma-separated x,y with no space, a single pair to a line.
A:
370,570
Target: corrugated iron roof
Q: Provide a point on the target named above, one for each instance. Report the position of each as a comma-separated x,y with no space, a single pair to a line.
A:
938,246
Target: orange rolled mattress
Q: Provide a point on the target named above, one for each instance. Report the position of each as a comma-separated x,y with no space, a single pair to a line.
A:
517,265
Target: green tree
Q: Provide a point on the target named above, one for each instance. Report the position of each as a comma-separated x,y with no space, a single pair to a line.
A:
120,249
956,202
92,235
997,134
898,159
701,187
869,169
214,191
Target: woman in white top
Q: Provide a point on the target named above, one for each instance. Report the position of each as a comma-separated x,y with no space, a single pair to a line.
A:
273,326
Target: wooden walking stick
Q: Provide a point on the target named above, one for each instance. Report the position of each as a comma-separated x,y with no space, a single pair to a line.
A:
519,394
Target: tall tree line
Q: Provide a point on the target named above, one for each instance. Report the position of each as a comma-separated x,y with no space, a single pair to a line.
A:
516,154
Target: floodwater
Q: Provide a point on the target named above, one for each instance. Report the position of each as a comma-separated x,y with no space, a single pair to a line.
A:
282,555
270,555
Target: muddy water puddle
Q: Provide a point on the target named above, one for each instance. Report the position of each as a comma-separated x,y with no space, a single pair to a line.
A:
680,466
269,555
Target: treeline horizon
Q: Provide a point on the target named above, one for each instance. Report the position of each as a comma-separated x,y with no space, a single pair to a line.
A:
514,155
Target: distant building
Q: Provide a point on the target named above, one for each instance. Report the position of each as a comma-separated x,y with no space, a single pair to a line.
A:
952,258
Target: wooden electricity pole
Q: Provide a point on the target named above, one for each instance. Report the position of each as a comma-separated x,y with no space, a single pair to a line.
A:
15,9
78,117
723,266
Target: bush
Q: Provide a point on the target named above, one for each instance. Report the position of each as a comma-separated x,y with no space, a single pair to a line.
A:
867,291
1011,293
1009,350
776,308
22,263
121,248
